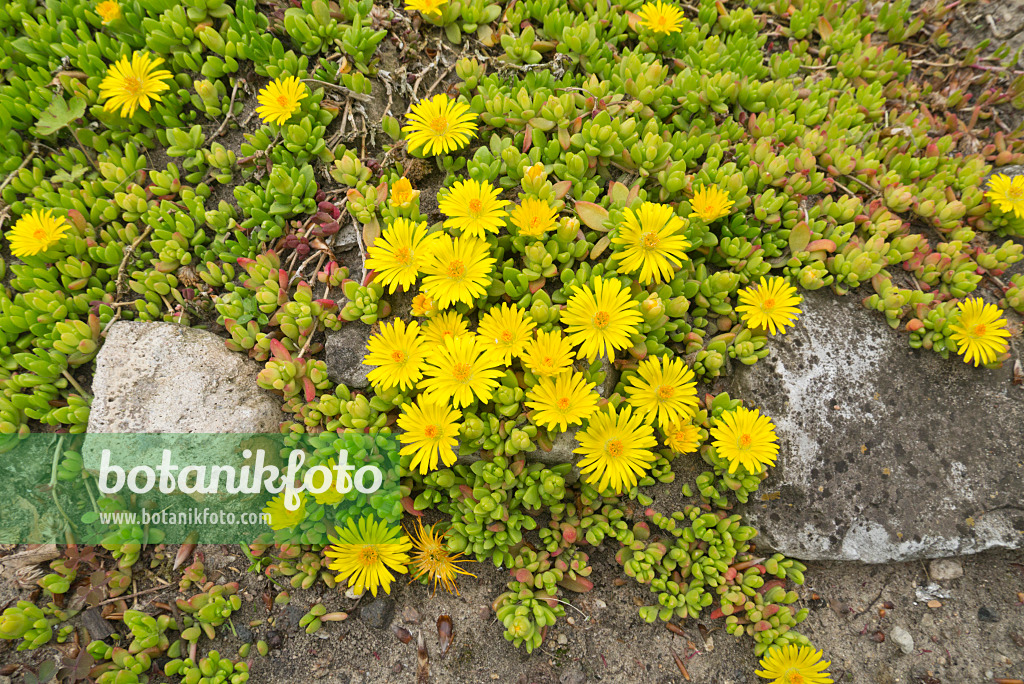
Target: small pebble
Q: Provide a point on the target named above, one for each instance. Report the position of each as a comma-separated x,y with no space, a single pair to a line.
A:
599,604
945,570
410,616
987,615
902,638
562,639
934,604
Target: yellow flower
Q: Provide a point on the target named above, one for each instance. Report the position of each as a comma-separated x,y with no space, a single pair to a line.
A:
651,243
109,11
439,125
430,432
792,664
771,305
129,85
457,270
280,99
400,253
616,449
508,329
430,557
402,194
426,6
710,203
682,438
398,352
547,355
423,305
661,17
473,208
366,552
533,217
745,438
280,517
443,327
1008,194
36,232
566,400
463,369
980,331
601,320
330,496
663,389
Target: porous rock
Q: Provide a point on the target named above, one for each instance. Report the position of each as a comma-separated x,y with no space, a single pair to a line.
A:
345,350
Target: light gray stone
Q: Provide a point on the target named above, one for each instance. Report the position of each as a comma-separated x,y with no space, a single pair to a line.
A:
345,350
887,453
945,570
902,638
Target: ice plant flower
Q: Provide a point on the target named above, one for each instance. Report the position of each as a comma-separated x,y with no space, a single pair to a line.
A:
661,17
439,125
398,352
710,203
664,390
565,400
429,7
745,438
130,84
457,270
508,329
533,217
473,208
280,99
980,332
682,438
422,305
444,326
402,194
1007,193
366,552
463,369
430,433
400,253
770,306
547,355
650,243
616,449
601,320
36,232
792,664
280,517
430,557
109,11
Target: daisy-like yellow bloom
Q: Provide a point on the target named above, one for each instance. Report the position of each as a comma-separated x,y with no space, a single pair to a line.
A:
601,320
402,194
439,125
664,390
330,496
430,557
398,352
281,99
562,401
464,368
429,7
682,438
651,243
1007,193
280,517
109,11
661,17
36,232
366,553
430,433
508,329
457,270
443,327
534,217
792,664
771,306
547,355
423,305
980,333
129,85
400,253
616,449
710,203
473,208
746,438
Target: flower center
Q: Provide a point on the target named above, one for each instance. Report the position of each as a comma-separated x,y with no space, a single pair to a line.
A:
456,270
980,330
666,392
40,235
745,440
283,102
602,319
460,372
562,403
403,256
614,448
1015,193
430,431
768,304
132,85
475,206
548,361
535,223
650,240
793,677
439,124
506,336
368,555
398,356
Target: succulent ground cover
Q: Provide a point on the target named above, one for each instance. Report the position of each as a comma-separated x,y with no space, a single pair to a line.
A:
587,211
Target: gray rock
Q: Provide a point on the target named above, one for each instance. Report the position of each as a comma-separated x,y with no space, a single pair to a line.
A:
345,351
902,638
561,449
945,570
887,453
377,613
